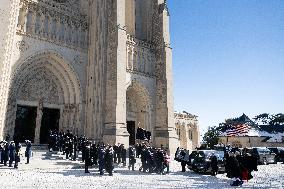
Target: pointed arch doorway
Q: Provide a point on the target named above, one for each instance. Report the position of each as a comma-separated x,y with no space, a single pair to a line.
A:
45,92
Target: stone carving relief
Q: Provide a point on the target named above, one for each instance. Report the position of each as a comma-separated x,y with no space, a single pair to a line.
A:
140,57
22,46
39,86
55,22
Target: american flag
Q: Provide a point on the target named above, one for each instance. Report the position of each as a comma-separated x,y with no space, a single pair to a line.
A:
238,130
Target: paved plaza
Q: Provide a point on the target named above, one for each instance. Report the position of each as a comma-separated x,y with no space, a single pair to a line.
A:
53,171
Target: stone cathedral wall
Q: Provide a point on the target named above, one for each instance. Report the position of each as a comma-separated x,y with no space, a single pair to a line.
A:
45,27
87,59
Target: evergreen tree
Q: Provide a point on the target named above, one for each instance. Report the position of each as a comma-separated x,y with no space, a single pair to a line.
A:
211,137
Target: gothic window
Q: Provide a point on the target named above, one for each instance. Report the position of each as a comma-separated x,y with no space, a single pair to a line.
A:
37,23
190,135
46,25
29,21
53,27
62,32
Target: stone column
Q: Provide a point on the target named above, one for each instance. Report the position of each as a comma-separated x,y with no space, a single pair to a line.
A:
165,128
132,58
115,109
38,122
77,120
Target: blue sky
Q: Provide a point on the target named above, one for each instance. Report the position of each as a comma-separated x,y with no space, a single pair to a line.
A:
228,57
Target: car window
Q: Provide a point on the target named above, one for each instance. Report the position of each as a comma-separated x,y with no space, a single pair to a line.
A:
263,150
220,155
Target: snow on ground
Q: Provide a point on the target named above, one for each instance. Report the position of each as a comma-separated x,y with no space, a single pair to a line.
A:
47,171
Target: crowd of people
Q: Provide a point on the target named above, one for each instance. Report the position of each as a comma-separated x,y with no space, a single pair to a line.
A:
239,165
10,152
154,160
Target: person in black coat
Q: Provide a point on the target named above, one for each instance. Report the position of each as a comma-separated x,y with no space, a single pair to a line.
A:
75,144
94,153
17,154
115,153
214,165
160,161
119,153
87,157
67,147
234,169
138,149
83,148
2,152
132,159
123,155
183,163
12,151
6,153
143,159
101,159
28,151
109,160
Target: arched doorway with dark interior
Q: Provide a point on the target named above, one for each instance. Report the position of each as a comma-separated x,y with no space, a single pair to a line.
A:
137,110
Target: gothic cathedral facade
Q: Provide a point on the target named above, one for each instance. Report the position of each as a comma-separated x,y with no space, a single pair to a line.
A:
100,68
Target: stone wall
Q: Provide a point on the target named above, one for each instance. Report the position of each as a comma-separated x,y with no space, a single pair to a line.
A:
36,43
187,129
93,64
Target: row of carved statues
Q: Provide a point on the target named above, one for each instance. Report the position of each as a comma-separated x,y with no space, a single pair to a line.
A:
52,25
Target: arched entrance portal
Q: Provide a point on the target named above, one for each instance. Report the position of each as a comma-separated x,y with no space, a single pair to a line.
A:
137,110
45,95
